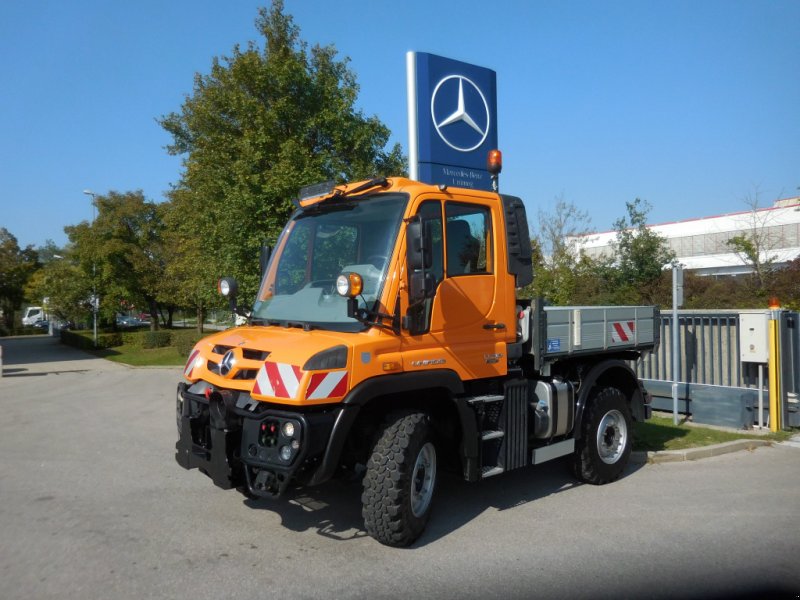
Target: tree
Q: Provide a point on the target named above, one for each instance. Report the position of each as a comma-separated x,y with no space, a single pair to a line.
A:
16,267
636,271
262,123
558,263
66,286
755,245
122,254
786,285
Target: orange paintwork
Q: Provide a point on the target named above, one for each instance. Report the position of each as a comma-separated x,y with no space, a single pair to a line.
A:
457,339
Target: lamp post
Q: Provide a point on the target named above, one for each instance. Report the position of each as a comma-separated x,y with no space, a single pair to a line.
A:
94,274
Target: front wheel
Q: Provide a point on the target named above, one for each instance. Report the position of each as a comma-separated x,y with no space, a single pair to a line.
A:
605,445
400,479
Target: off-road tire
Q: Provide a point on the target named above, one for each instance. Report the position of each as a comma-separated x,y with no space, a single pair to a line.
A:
602,455
396,504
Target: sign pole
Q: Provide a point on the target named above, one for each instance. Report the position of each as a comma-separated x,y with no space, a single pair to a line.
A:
677,301
413,119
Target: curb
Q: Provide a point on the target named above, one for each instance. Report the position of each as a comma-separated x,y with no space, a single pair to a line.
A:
665,456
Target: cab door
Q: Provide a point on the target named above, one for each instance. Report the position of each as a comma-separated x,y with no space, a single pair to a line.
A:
466,323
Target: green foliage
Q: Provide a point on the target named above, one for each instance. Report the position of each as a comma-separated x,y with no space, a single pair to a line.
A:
67,286
121,253
85,339
17,265
184,341
155,339
636,274
559,267
263,122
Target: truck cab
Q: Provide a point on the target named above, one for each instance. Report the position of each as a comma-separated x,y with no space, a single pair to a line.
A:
387,337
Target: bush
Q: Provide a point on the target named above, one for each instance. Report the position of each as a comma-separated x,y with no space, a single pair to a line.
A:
133,338
85,339
155,339
184,340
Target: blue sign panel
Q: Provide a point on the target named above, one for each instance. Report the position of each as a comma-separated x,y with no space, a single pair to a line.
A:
452,120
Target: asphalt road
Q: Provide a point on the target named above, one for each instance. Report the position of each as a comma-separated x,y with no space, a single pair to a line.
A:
93,505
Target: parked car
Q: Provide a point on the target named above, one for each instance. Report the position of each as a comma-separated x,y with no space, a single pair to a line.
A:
129,322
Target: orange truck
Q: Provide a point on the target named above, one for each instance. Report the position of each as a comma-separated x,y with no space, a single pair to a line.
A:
387,341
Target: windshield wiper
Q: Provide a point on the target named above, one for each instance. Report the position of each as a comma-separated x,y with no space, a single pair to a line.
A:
306,326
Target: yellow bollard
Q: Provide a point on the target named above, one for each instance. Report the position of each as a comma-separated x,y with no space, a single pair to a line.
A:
774,367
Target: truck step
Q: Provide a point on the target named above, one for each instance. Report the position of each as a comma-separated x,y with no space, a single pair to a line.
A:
491,435
491,471
486,398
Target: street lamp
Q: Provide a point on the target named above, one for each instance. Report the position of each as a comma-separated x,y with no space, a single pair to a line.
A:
94,273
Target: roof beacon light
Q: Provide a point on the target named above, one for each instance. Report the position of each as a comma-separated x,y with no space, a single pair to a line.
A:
494,162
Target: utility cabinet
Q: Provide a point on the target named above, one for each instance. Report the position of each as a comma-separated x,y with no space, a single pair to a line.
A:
754,336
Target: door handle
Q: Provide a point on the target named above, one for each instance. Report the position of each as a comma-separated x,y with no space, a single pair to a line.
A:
494,326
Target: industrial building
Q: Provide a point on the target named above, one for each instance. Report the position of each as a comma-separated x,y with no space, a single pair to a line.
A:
701,244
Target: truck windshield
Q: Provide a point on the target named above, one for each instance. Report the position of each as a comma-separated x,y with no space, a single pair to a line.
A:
318,244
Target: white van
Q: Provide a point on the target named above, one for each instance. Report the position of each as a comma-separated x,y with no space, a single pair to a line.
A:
33,314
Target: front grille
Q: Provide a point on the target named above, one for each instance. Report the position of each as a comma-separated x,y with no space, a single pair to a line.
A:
250,354
245,374
220,349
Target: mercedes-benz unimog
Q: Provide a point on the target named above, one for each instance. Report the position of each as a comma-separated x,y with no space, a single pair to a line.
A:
387,340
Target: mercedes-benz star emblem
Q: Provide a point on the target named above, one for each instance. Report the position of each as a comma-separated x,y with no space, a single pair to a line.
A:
227,363
468,111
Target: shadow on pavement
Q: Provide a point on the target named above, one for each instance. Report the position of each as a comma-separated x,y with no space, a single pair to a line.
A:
33,349
334,508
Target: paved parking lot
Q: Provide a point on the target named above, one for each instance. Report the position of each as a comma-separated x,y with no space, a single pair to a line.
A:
93,505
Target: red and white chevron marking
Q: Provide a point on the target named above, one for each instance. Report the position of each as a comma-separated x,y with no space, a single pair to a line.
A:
187,370
281,380
278,380
622,331
327,385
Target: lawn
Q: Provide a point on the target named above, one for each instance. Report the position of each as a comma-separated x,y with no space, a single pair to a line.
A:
143,357
658,433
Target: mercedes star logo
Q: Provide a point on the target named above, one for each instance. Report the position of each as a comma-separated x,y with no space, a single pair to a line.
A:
476,121
227,363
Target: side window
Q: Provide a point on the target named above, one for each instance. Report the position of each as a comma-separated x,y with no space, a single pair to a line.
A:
468,232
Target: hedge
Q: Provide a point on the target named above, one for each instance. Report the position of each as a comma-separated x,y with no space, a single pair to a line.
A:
183,340
156,339
85,339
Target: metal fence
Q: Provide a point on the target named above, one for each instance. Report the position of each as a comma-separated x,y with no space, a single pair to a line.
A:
710,371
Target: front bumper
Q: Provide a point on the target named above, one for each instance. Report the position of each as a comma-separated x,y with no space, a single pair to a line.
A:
241,443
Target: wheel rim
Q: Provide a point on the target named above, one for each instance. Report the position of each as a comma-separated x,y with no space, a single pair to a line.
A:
612,437
423,479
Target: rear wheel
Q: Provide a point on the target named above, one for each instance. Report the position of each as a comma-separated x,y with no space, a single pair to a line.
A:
400,479
605,445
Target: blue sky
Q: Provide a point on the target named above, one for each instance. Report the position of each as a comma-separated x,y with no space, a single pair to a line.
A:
693,106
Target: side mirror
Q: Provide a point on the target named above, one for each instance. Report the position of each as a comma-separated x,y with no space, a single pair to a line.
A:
418,246
421,285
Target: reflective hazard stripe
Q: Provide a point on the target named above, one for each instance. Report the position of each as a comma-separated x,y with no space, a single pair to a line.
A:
327,385
622,331
278,380
281,380
187,370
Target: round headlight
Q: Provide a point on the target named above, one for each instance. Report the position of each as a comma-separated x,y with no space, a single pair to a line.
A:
343,285
285,453
349,285
288,429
